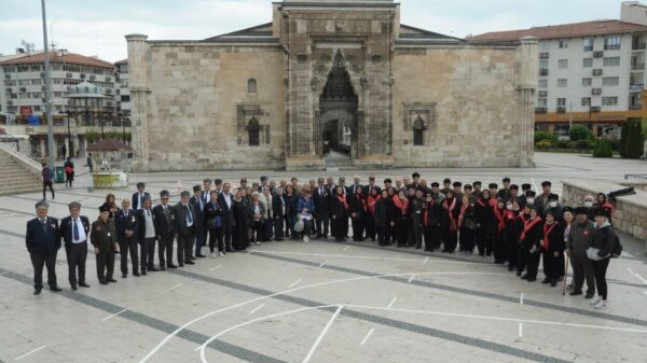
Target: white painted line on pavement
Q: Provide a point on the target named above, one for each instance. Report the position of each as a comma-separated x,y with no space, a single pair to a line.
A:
392,302
521,299
371,257
520,330
171,289
113,315
412,277
321,336
31,352
214,268
322,264
641,279
645,292
370,332
257,308
346,248
426,259
631,272
295,283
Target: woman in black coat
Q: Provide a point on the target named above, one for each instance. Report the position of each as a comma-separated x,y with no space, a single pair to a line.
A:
240,238
357,211
399,215
432,221
552,248
531,236
380,218
339,215
213,213
450,213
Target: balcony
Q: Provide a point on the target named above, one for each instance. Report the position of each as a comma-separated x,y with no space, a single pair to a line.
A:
639,46
597,72
541,110
543,72
638,67
636,87
544,55
598,54
635,107
561,109
595,109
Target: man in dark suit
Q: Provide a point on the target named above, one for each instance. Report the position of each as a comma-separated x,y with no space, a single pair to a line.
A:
322,198
278,213
184,227
206,190
74,230
146,236
164,219
200,230
226,201
43,241
127,228
138,197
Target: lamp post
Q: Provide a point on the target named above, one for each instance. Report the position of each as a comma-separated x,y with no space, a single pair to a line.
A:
69,132
48,93
123,126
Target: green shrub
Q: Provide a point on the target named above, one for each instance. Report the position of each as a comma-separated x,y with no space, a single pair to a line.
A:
583,145
564,144
632,146
579,132
543,144
545,135
602,149
622,146
615,144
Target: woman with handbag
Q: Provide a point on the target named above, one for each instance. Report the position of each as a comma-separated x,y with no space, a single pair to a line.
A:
214,224
599,253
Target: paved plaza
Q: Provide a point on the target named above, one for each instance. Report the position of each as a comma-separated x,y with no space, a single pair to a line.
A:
321,301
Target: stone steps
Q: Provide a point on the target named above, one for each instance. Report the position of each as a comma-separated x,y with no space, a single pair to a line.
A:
16,178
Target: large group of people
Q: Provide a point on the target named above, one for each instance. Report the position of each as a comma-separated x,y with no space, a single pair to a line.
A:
514,226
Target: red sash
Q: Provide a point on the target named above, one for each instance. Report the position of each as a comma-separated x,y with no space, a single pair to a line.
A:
462,215
426,217
370,203
545,242
450,210
528,225
510,215
342,199
498,213
400,204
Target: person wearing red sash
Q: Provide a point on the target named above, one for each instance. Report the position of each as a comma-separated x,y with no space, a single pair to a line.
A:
432,219
339,215
357,211
602,203
381,218
369,221
552,248
521,253
498,240
451,209
512,232
399,217
467,225
486,223
531,238
418,206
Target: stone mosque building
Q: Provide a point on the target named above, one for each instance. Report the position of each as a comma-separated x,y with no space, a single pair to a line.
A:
326,78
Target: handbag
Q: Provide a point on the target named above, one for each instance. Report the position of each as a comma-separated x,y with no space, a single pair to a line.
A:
298,225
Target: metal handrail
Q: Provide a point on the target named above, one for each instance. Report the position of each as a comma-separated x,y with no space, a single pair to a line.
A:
22,147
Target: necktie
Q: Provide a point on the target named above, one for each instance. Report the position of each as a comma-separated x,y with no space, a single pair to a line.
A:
43,224
200,202
189,217
76,229
148,213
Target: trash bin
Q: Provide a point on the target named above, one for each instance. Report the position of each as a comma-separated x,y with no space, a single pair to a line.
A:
59,174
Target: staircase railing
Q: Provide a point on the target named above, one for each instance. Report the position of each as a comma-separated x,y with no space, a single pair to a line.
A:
25,155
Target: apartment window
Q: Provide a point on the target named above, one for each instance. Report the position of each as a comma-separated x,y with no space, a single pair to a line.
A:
419,132
58,94
125,98
37,108
586,101
563,44
24,82
612,43
542,102
544,46
55,67
71,68
35,95
10,70
610,81
561,102
35,81
562,82
588,44
611,61
587,62
562,63
23,68
14,96
609,101
586,82
543,83
35,68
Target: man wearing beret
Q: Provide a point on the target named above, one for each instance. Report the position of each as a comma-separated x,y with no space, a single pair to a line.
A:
75,230
146,236
43,241
104,240
164,220
579,241
127,227
184,227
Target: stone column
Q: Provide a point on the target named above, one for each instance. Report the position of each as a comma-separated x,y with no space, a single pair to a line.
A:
138,66
43,150
528,58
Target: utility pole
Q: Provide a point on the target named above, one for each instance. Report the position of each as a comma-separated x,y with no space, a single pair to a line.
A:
48,95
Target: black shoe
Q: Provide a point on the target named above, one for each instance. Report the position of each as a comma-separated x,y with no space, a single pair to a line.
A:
73,288
37,290
589,295
152,269
136,274
180,265
162,268
510,268
553,283
518,273
200,256
546,281
279,239
531,279
524,277
123,276
55,288
189,262
170,265
143,272
230,250
83,284
418,247
112,280
575,293
103,282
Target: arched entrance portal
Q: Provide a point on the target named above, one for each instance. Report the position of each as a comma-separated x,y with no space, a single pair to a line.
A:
338,108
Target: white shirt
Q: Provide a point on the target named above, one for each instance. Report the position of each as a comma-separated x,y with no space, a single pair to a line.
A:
139,202
150,227
82,236
227,199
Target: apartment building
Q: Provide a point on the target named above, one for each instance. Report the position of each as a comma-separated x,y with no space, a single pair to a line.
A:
590,73
122,94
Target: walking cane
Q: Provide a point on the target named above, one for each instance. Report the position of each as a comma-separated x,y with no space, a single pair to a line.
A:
565,276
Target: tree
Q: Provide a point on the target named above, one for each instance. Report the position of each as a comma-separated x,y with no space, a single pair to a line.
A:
602,149
632,142
579,132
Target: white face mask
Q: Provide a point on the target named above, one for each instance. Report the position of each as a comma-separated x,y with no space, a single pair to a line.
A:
588,204
530,200
553,204
509,206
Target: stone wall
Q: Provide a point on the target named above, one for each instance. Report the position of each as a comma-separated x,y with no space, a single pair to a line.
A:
630,213
470,101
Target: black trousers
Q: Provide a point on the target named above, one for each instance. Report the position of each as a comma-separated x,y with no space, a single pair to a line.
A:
227,233
521,257
358,228
257,231
215,235
279,227
322,224
184,248
432,237
126,246
532,264
105,265
402,232
200,239
147,254
165,249
268,227
582,269
49,185
382,236
511,252
339,227
369,223
498,247
467,238
600,272
450,240
552,265
417,229
38,260
77,253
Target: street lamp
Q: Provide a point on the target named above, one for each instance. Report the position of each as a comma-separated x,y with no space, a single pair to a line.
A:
48,93
69,133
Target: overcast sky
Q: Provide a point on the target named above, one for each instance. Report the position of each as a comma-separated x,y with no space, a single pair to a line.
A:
97,27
